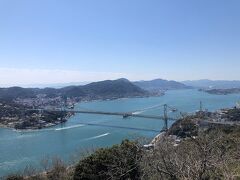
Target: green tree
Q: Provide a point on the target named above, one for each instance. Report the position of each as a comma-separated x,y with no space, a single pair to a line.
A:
118,162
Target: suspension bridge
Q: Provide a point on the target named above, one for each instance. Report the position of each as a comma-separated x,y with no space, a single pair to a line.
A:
136,113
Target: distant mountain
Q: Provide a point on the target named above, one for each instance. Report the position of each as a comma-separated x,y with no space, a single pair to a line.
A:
41,86
98,90
120,87
104,89
160,84
213,84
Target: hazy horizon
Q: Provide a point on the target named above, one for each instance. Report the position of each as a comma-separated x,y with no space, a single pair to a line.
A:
77,83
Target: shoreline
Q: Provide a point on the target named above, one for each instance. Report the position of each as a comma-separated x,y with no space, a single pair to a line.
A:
67,118
34,129
50,125
26,130
221,92
121,98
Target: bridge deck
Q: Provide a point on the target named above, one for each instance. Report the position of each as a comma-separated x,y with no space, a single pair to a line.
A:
123,114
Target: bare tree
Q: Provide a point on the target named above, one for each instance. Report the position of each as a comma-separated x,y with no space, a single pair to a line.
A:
210,155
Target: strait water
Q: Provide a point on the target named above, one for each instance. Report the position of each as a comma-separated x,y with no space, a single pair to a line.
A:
19,149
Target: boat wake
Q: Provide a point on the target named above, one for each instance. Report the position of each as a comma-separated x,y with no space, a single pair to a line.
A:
138,112
69,127
99,136
146,109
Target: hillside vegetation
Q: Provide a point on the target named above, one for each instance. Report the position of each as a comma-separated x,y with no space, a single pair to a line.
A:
98,90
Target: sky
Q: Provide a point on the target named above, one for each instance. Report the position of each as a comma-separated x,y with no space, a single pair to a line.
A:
60,41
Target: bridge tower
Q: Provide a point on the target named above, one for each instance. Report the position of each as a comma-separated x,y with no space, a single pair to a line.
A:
201,106
165,107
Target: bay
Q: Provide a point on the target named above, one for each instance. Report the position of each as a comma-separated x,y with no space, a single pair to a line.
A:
21,148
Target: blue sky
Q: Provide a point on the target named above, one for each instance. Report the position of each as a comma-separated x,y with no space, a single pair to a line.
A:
53,41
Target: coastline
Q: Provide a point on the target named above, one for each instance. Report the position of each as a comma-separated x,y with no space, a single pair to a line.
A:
5,126
222,92
33,128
